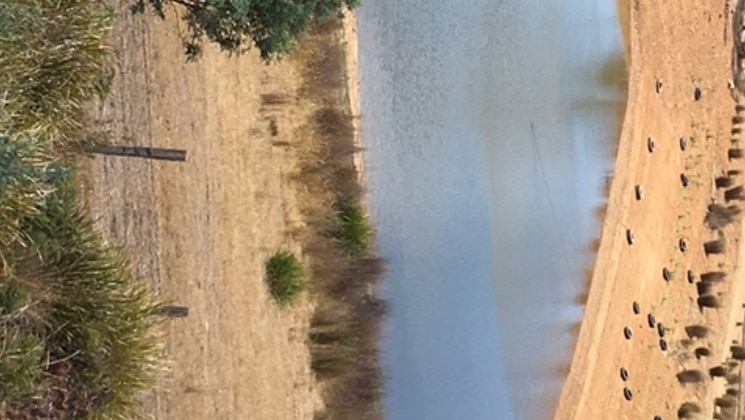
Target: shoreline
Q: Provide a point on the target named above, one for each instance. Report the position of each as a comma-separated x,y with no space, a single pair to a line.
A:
351,54
623,274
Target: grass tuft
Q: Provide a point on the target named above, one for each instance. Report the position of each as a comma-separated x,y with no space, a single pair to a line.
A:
284,274
353,231
77,334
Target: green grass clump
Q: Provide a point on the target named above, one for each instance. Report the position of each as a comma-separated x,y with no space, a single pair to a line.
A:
284,274
78,321
78,338
353,230
54,56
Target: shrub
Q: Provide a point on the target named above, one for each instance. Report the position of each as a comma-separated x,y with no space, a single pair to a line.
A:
718,372
274,28
734,153
54,54
702,352
719,216
688,410
697,331
735,193
690,376
725,402
284,274
723,182
713,276
353,231
714,247
708,301
703,288
103,347
738,352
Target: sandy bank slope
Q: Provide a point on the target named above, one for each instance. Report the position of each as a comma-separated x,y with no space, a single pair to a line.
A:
686,46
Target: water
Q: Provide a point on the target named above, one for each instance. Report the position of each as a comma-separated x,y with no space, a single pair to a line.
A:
490,126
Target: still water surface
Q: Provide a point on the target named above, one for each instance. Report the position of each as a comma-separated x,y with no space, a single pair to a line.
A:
490,127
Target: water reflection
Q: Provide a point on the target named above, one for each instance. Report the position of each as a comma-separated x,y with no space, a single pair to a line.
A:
486,223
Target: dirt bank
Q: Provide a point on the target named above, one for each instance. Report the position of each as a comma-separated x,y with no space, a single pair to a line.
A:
685,46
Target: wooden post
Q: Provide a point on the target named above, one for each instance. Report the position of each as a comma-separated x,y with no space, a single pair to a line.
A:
172,311
142,152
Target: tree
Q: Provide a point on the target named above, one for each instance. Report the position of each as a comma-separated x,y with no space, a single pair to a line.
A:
273,27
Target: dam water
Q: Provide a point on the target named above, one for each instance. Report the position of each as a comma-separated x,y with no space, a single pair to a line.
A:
489,127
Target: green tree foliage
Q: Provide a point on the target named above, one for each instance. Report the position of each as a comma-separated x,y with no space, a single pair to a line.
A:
273,27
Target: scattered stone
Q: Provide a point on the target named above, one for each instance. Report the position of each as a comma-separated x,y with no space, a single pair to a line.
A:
683,143
650,144
624,374
639,192
628,394
684,180
666,274
697,94
682,244
627,333
663,344
658,86
630,236
651,321
636,308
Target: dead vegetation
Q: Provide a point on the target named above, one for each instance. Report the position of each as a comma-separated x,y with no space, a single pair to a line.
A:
346,326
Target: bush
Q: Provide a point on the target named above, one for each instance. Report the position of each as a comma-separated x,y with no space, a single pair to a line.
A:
714,247
688,410
274,27
725,402
690,376
708,301
735,193
723,182
284,274
702,352
697,331
353,230
713,276
718,372
719,216
54,54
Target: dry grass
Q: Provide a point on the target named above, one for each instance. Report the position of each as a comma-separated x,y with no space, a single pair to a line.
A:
346,326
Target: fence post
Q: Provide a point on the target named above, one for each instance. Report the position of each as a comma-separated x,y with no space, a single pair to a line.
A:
177,155
172,311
